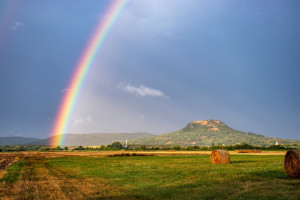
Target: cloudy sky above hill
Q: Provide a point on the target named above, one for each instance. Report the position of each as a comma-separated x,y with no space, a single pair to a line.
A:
162,65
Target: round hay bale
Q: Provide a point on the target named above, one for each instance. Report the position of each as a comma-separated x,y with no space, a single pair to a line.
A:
292,163
220,157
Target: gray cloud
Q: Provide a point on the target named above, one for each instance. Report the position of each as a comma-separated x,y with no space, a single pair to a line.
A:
142,91
16,25
81,120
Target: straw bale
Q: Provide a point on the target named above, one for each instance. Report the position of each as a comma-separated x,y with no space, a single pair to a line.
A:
292,163
220,157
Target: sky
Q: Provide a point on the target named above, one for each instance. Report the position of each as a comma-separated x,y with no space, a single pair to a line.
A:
162,65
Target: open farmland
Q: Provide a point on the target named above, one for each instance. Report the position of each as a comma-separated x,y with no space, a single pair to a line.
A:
76,175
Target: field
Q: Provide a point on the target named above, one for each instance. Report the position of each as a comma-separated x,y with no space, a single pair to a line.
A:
161,175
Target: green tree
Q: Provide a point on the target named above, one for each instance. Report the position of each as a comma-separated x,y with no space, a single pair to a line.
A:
102,147
79,148
189,148
35,148
44,149
58,148
204,148
108,148
117,145
176,148
196,147
20,148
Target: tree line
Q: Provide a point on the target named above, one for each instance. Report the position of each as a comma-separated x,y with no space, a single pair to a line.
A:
118,146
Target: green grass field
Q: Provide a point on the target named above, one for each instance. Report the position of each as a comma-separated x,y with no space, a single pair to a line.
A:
149,177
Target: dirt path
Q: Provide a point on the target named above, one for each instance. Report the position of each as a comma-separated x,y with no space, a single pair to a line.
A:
5,162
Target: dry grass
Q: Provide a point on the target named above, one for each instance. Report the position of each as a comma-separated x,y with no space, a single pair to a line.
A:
39,180
248,151
99,153
125,175
114,153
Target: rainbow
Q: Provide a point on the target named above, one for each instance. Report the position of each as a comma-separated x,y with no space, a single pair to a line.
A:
85,62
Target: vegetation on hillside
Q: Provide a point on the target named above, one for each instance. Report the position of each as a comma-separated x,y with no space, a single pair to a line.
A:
209,133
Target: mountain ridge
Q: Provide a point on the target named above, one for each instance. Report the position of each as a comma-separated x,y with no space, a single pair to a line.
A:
94,139
15,140
202,133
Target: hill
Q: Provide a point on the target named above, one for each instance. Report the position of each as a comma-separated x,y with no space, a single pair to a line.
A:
210,132
16,140
95,139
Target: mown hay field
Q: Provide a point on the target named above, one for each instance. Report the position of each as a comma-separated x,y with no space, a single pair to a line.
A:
148,177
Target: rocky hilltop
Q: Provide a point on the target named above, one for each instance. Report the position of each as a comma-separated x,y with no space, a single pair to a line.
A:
211,124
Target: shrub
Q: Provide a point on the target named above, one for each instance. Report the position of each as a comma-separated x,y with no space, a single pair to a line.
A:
176,148
117,145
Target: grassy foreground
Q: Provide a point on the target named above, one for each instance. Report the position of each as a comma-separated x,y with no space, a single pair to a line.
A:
149,177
